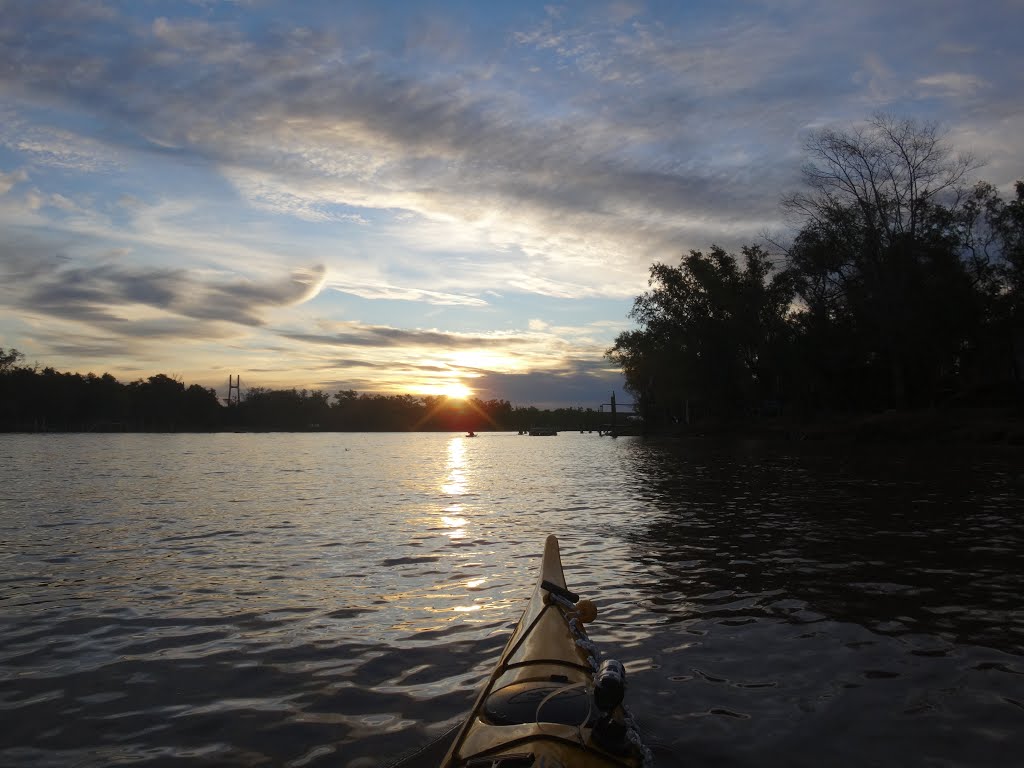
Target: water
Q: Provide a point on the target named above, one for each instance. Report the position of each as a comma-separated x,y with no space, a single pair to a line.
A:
336,599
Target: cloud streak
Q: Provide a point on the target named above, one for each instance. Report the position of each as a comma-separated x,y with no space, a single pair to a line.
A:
360,335
105,294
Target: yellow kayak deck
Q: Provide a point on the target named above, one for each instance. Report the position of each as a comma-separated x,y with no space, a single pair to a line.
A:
536,708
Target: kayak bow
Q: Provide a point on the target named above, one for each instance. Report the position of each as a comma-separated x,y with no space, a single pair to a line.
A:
548,702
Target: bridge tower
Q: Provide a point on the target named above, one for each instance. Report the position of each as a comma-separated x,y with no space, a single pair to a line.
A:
234,389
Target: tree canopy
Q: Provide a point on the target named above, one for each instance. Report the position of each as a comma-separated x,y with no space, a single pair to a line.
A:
901,287
711,332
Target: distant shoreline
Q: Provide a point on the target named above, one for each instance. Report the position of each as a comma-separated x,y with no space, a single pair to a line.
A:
977,426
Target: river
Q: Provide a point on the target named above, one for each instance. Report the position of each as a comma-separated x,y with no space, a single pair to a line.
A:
335,599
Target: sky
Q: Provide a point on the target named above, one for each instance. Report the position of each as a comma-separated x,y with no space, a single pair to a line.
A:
430,197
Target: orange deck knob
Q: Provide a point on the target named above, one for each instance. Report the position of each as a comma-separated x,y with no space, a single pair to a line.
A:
587,611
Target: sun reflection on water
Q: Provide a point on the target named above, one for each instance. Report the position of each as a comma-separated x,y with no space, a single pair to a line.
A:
456,526
455,482
454,519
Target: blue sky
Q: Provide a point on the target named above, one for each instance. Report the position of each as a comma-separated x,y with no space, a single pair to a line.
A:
402,197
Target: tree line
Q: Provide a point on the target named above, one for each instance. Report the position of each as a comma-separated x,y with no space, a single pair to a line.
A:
902,288
43,399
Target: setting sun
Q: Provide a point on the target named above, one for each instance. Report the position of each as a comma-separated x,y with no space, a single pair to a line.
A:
453,390
456,390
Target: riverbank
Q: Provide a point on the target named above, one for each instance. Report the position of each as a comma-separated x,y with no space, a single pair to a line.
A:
967,425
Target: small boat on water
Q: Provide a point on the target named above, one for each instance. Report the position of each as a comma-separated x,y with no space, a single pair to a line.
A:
549,702
471,433
543,431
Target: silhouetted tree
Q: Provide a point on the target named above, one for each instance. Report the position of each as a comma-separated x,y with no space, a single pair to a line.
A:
9,358
873,217
711,332
993,242
201,408
902,287
157,403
